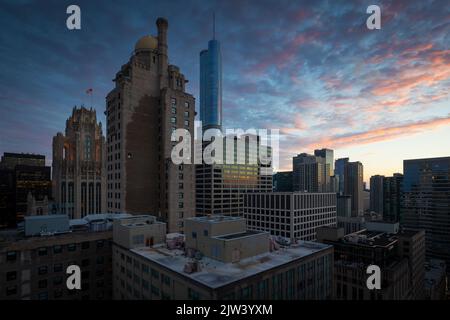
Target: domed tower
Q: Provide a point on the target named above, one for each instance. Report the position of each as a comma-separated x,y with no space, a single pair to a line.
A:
148,103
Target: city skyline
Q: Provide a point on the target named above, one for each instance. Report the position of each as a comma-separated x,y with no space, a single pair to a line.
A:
334,83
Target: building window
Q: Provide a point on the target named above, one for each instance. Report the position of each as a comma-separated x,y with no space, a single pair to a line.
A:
11,256
57,249
173,102
11,290
72,247
173,120
43,296
193,295
155,290
11,275
205,233
194,235
165,279
42,270
186,122
85,245
100,260
42,284
42,251
155,274
57,267
186,114
186,104
87,150
174,110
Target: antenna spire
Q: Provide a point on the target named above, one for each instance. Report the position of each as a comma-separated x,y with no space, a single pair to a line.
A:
214,25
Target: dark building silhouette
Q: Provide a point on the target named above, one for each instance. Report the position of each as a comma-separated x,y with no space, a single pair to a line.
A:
392,195
400,254
376,194
282,181
21,175
426,203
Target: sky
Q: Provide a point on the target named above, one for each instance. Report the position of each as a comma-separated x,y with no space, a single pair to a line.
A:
311,69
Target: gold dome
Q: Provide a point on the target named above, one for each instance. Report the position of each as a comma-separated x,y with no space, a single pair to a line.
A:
146,43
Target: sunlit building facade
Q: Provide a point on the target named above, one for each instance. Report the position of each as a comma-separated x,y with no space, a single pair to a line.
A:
220,187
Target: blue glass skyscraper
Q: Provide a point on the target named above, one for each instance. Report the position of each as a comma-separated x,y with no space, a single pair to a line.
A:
211,86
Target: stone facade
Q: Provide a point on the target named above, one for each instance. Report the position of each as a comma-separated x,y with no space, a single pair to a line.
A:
149,102
79,178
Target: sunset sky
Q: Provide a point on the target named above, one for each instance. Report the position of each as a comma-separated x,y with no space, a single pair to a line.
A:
309,68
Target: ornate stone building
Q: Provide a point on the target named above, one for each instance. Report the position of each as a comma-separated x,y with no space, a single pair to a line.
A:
79,175
148,102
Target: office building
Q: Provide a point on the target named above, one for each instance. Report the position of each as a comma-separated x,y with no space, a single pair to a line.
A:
33,263
282,181
148,103
353,186
290,215
211,85
328,155
392,196
79,166
20,175
221,261
339,172
220,186
377,194
426,203
400,254
310,173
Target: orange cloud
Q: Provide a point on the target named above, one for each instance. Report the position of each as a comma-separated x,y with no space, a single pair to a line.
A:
378,134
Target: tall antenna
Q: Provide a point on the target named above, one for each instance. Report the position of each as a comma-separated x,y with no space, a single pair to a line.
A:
214,25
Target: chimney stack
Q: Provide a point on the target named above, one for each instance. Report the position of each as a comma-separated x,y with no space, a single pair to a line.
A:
162,25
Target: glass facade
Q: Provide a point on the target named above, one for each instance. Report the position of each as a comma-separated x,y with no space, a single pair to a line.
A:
426,203
211,86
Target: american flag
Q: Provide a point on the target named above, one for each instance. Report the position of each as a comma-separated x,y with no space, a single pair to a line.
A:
89,91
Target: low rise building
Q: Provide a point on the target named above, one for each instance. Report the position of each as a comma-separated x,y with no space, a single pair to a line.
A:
219,260
400,256
33,263
292,215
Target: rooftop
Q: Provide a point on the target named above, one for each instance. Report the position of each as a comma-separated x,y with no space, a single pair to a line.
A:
215,274
370,238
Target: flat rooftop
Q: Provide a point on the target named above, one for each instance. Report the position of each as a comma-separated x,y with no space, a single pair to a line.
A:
215,274
370,238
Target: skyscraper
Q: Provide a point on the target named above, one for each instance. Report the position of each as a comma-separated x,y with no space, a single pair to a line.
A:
211,85
328,154
376,194
148,103
353,186
310,173
392,195
79,166
339,166
426,203
220,187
